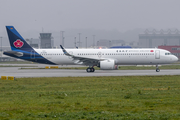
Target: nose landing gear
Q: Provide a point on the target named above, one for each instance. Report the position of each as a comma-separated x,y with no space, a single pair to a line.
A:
157,69
90,69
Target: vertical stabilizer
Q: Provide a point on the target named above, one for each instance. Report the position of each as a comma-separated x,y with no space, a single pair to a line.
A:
17,42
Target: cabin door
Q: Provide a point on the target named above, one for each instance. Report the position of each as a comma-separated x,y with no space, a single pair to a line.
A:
157,54
33,54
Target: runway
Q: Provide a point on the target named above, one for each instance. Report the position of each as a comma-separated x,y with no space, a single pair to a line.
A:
19,73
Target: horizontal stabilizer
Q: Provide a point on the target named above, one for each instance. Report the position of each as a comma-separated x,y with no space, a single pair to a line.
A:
19,54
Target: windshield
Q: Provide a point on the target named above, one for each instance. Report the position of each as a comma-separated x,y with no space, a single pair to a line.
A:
168,54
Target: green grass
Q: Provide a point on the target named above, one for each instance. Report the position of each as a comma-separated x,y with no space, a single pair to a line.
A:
89,98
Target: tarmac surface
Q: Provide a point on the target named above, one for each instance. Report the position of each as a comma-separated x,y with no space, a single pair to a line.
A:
19,73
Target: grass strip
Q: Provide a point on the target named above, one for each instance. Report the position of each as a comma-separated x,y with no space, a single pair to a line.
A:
126,98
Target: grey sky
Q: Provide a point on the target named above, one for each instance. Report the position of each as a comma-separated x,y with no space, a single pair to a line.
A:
122,15
108,15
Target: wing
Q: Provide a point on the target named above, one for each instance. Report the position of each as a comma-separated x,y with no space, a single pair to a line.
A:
82,60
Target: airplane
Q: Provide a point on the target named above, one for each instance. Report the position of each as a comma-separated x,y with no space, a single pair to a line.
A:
105,59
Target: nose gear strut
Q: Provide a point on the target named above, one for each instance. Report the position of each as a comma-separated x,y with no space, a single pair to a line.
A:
157,69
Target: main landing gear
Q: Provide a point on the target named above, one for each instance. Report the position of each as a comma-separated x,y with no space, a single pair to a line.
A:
157,69
90,69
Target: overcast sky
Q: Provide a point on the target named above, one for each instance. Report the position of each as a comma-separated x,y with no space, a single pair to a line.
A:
106,15
121,15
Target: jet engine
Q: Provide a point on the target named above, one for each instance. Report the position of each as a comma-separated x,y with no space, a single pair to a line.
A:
108,65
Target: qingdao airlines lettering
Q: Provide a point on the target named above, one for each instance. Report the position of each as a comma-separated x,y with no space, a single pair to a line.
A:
105,59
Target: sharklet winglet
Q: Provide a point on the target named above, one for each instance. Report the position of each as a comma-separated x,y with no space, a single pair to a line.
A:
64,51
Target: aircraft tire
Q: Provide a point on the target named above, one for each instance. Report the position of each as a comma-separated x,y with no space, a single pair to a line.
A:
157,70
90,70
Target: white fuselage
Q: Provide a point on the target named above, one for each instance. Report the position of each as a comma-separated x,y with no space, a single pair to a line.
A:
121,56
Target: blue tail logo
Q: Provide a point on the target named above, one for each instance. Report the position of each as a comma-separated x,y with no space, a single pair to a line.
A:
17,42
21,49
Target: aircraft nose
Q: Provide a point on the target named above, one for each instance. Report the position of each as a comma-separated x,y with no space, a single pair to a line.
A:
175,58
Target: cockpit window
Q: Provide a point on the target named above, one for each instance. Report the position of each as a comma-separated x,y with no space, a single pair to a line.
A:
168,53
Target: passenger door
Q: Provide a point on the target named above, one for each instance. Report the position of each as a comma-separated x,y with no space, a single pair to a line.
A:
157,54
33,54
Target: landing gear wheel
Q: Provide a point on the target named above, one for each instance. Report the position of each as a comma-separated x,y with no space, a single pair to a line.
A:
157,70
90,69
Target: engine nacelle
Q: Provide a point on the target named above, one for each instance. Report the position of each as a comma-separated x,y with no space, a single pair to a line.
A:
108,65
